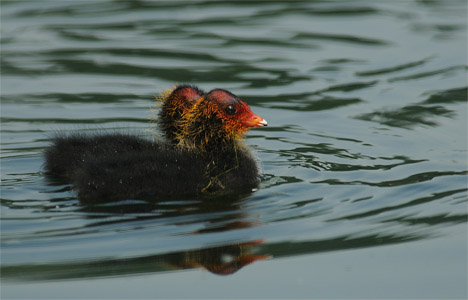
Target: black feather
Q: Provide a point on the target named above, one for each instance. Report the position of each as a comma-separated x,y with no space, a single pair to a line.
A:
117,166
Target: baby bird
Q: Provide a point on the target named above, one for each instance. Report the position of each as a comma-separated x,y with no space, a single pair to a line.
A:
202,153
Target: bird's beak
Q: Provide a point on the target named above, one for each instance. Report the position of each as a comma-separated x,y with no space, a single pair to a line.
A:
254,121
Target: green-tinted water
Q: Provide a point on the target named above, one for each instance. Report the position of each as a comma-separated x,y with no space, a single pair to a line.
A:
364,187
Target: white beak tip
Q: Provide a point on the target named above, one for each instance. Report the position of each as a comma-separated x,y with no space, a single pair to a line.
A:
263,123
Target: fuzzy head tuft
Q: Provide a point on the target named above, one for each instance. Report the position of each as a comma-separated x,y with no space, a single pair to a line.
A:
174,103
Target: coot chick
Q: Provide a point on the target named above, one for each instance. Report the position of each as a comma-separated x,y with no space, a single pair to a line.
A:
202,154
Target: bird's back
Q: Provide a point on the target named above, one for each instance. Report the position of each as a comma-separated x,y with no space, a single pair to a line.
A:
118,166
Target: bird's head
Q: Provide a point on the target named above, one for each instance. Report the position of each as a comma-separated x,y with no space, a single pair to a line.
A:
216,120
174,102
199,121
235,114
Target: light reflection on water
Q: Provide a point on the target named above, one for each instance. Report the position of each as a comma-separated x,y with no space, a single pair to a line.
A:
366,144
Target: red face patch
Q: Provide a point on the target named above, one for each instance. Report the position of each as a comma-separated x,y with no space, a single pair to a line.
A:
234,109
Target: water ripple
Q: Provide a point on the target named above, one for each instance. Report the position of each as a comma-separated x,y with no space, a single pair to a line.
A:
366,144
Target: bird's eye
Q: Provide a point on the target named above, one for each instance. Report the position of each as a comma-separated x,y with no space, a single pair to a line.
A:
230,110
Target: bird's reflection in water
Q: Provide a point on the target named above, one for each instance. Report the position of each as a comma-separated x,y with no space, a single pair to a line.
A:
220,215
223,260
217,214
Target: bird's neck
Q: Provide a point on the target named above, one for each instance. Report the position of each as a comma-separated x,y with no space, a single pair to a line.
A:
208,141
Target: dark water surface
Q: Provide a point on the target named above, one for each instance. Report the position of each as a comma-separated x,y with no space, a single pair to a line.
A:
364,186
